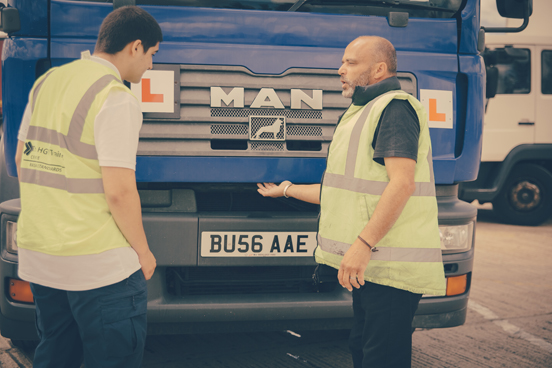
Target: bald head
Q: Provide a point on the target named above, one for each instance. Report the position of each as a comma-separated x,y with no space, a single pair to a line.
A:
379,49
367,60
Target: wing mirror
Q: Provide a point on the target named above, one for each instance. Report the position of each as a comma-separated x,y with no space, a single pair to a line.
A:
518,9
9,19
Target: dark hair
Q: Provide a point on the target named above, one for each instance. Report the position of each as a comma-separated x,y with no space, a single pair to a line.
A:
125,25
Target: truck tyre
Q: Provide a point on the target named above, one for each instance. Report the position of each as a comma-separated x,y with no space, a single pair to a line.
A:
526,196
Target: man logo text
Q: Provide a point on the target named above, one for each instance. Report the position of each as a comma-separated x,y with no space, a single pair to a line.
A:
266,98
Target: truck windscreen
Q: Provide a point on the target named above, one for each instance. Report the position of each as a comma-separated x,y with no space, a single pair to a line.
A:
415,8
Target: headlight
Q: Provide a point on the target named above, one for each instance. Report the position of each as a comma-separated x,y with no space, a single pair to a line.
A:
11,237
456,238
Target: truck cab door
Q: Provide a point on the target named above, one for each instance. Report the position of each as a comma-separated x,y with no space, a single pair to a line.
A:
510,116
543,127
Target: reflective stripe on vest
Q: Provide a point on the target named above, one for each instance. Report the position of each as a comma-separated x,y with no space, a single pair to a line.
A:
71,142
37,88
385,253
57,181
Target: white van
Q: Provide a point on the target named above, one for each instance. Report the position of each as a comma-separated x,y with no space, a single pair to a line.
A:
516,167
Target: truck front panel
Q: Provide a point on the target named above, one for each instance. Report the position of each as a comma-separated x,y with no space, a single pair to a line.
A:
229,259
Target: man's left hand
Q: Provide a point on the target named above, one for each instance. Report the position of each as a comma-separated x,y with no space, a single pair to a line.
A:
353,265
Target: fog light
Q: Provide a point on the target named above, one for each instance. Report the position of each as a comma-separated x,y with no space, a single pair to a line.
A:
11,237
457,285
20,291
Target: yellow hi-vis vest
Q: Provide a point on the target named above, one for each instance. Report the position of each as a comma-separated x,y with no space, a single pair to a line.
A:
63,207
409,255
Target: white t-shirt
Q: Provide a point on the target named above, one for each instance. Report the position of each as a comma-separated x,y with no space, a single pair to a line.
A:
116,132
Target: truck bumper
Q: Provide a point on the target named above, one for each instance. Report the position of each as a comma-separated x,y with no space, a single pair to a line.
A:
323,311
177,314
201,314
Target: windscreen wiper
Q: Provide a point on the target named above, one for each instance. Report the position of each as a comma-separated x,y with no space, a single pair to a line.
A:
380,3
297,5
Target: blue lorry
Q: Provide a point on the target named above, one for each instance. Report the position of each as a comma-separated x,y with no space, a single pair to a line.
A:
247,91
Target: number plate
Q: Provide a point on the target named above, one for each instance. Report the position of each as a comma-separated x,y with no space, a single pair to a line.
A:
257,244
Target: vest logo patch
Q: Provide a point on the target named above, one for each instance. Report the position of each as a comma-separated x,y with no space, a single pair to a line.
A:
28,148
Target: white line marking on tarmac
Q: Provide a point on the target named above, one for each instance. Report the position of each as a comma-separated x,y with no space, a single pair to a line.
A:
293,333
508,327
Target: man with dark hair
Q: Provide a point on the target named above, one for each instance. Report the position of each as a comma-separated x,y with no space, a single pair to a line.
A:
122,27
378,211
81,240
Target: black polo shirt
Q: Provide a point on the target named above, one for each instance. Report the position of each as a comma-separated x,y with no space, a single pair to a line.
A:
398,129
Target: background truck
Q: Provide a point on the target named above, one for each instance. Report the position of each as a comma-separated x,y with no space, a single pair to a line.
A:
244,92
516,162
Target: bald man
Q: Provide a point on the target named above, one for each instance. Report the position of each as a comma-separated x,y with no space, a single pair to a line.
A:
378,211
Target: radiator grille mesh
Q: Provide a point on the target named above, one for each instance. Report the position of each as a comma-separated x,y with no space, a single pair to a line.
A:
242,130
267,146
244,113
230,129
308,131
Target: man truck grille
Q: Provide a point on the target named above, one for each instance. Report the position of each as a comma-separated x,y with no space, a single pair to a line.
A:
204,128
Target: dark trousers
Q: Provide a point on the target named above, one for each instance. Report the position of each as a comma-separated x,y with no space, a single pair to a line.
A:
105,327
382,332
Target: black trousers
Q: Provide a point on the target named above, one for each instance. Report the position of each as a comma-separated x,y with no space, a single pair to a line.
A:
382,332
105,327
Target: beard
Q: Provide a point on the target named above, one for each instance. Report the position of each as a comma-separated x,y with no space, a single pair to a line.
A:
364,79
